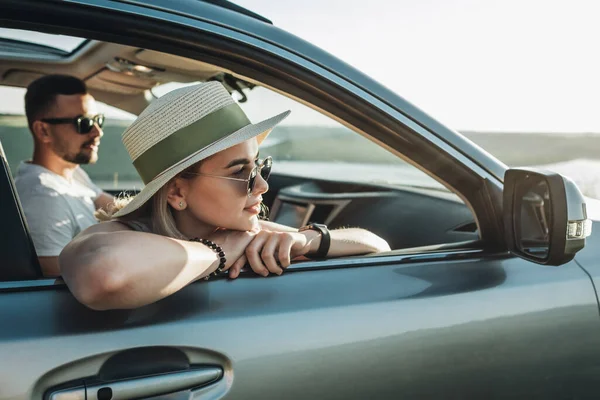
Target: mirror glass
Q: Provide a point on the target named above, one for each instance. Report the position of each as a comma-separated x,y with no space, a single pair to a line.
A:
535,219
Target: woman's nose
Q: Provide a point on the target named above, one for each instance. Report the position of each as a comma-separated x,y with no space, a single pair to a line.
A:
261,186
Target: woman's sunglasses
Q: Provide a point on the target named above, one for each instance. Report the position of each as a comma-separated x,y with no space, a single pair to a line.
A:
262,167
83,124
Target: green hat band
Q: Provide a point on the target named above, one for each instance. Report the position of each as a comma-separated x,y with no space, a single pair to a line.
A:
187,141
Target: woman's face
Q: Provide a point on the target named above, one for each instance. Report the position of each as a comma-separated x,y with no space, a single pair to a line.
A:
223,203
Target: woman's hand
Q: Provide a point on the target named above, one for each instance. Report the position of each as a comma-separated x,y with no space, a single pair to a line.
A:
272,252
233,243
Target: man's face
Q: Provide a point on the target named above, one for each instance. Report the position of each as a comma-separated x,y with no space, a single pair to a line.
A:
66,142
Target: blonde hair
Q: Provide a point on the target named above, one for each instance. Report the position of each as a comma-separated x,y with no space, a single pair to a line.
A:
156,212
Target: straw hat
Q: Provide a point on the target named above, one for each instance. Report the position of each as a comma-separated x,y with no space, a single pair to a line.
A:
183,127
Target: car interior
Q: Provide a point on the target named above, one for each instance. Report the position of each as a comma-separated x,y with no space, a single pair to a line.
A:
412,217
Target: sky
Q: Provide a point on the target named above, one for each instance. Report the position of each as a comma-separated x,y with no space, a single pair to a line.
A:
508,65
486,65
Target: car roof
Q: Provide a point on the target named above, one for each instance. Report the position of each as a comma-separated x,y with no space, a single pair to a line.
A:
115,74
234,7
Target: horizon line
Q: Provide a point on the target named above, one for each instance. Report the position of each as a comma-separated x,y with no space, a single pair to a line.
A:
462,131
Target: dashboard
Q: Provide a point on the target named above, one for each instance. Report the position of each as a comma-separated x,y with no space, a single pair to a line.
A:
405,217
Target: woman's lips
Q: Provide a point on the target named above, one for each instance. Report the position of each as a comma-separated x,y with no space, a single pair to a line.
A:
254,209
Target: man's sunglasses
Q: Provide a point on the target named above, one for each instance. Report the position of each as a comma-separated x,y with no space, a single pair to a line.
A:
262,167
82,124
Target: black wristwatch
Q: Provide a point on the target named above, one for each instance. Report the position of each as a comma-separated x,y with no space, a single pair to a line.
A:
325,238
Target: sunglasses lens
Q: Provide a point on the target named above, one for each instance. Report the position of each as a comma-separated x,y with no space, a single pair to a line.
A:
265,172
251,181
85,125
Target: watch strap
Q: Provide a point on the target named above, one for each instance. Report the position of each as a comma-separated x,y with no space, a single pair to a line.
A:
325,239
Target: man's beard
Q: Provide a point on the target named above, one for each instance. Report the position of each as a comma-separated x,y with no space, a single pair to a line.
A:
82,157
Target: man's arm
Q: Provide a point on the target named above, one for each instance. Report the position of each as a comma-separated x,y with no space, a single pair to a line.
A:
103,201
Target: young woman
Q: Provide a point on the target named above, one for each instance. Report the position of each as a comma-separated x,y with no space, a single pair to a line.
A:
198,214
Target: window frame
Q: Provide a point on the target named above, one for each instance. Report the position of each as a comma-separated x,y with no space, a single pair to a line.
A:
393,258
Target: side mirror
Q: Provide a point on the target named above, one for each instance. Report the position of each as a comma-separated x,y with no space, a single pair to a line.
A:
545,218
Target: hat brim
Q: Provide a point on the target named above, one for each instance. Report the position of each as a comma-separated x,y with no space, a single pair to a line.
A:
260,130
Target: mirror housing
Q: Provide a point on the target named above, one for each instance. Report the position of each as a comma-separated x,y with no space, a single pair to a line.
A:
545,217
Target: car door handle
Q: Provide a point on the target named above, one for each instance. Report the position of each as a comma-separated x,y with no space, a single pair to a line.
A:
142,387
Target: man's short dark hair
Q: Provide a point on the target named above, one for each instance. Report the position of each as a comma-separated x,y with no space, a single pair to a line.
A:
42,93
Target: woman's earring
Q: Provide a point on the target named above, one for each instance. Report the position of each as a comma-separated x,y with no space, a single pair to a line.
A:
181,205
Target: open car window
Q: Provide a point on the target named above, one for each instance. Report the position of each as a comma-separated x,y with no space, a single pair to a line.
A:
323,171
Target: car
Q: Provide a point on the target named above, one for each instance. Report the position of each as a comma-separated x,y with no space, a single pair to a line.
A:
489,291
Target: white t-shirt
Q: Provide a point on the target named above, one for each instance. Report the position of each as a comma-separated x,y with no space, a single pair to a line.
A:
56,209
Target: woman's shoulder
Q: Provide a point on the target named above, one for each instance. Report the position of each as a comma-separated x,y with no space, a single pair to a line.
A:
99,228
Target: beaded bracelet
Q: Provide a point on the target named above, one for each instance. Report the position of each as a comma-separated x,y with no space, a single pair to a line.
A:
217,249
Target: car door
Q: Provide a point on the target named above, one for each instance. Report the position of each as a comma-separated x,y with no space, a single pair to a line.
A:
462,324
471,322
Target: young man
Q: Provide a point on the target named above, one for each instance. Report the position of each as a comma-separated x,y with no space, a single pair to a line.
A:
58,197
